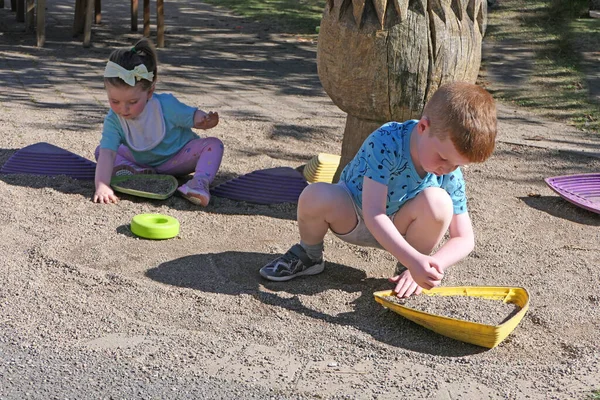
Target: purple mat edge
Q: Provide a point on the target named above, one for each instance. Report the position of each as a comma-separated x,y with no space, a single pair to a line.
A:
256,199
275,179
43,155
573,198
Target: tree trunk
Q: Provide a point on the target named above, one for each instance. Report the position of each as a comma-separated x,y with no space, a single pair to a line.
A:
355,133
381,60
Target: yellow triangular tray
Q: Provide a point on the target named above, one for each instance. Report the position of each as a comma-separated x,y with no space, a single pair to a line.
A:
470,332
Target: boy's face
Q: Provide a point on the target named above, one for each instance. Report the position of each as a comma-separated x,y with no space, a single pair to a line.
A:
436,156
128,101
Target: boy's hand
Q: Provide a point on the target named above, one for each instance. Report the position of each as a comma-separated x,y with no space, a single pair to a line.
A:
425,274
405,285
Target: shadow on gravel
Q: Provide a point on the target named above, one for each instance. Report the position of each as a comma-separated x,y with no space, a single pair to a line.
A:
60,183
236,273
5,154
560,208
235,55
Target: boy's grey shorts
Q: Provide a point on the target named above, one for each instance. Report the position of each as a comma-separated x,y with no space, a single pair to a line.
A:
360,235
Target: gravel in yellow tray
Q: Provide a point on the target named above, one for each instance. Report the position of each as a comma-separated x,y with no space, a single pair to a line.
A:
481,315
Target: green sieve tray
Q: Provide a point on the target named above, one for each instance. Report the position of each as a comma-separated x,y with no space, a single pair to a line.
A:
117,181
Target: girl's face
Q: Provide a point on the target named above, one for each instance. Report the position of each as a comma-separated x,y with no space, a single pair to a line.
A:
434,155
128,101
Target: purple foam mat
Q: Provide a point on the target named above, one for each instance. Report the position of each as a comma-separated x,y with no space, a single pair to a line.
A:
49,160
583,190
266,186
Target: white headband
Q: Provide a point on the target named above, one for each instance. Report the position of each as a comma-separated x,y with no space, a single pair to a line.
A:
114,70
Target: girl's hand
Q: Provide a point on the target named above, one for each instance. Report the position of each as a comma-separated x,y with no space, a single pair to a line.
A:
105,195
206,121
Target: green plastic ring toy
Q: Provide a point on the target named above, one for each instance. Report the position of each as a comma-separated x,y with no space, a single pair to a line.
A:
154,226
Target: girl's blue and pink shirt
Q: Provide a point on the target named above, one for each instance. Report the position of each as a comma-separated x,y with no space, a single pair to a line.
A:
178,118
385,158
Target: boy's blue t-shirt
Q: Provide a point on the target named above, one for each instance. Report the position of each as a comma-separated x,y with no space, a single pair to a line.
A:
385,158
179,119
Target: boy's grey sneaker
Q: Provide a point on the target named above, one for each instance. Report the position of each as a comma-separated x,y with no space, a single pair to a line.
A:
295,262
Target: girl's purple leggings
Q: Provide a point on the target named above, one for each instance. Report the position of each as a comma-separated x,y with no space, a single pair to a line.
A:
200,156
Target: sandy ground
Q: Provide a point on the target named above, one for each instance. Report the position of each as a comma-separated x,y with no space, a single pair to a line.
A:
87,310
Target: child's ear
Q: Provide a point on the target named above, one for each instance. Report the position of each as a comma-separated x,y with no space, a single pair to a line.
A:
423,124
151,90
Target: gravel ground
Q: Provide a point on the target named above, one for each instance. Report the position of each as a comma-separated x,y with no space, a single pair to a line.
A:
90,311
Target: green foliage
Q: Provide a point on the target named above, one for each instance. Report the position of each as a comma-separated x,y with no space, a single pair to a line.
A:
568,9
284,16
557,32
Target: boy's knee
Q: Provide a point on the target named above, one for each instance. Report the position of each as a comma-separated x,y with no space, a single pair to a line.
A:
315,192
317,195
438,204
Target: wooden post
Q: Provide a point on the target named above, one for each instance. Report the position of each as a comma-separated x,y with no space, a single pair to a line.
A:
79,17
29,15
134,15
87,25
146,18
20,10
355,133
98,11
160,23
41,22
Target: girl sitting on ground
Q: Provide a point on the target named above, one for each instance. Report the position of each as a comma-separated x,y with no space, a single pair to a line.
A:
150,133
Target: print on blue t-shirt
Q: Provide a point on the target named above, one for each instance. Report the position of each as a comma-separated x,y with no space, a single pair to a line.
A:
385,158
